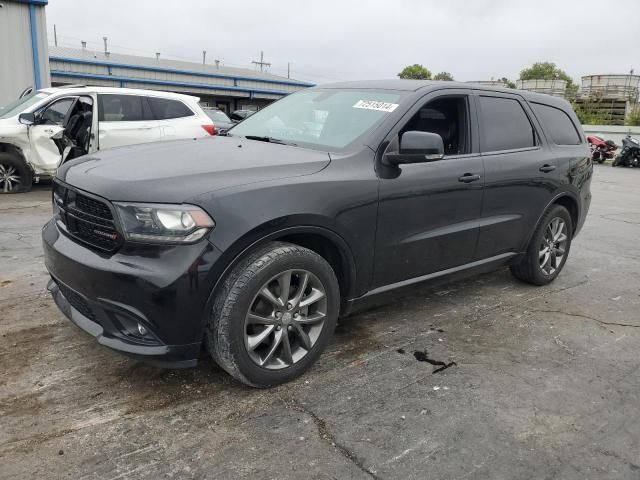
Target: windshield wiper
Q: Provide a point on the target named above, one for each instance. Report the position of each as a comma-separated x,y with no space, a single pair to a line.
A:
269,139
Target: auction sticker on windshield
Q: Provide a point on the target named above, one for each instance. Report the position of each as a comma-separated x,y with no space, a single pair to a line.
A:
373,105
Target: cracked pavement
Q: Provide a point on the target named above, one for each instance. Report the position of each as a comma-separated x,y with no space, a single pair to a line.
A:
542,382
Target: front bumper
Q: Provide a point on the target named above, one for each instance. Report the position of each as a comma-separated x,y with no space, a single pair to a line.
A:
165,289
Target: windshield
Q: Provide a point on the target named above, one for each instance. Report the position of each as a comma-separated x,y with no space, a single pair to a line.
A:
327,119
217,116
20,105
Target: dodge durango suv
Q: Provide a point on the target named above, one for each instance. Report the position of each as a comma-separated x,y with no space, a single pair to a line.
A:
254,243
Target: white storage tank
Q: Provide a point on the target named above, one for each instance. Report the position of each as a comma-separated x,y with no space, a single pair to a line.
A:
557,88
611,86
490,83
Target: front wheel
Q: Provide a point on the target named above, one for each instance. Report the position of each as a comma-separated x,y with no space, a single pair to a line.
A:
15,176
274,315
548,249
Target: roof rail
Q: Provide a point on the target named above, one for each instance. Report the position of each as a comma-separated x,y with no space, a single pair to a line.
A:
74,86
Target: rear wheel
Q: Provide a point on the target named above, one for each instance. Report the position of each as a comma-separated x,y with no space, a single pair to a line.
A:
548,249
15,175
274,315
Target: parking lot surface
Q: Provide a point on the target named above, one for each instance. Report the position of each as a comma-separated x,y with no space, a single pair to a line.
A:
485,378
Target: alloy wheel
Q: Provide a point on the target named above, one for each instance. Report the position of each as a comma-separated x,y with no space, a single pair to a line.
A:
553,246
9,178
285,319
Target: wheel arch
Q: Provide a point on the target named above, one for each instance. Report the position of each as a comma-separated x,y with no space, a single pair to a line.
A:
322,240
571,204
565,199
12,149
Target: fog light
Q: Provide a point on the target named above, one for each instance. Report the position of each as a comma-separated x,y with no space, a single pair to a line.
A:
141,330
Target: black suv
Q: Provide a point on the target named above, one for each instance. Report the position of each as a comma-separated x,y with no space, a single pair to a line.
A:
255,242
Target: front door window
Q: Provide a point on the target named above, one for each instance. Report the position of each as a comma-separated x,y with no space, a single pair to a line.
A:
55,113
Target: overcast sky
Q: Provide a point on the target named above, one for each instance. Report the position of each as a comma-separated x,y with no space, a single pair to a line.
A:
331,40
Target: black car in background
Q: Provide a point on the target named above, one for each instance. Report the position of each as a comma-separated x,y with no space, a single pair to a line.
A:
239,115
254,243
221,123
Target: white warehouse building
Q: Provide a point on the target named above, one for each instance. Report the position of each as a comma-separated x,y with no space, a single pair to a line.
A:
223,87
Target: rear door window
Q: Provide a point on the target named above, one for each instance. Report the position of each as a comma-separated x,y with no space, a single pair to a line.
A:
557,124
122,108
505,125
165,109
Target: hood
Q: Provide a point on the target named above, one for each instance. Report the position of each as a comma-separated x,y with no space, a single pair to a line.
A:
9,122
173,172
13,131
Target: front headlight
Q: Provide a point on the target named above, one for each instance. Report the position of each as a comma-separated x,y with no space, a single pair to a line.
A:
161,223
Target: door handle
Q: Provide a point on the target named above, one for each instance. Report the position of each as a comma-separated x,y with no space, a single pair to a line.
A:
469,177
546,168
48,131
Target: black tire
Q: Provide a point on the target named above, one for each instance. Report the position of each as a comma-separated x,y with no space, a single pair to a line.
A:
616,161
20,179
529,269
225,329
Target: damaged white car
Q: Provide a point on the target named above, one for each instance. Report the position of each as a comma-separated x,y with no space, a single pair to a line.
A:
41,130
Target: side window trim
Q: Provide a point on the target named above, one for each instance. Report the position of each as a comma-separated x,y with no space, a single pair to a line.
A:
472,124
528,113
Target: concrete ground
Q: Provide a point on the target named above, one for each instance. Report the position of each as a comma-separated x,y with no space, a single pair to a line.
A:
546,381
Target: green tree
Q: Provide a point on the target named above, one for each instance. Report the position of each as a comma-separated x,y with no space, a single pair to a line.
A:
507,82
548,71
415,72
588,113
443,76
633,118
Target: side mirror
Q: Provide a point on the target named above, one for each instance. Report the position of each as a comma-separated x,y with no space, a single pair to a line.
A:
417,147
27,118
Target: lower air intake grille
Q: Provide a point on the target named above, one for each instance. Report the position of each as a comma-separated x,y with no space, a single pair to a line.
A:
77,302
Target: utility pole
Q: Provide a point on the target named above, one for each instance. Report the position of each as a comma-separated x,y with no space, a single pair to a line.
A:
55,35
106,50
288,70
204,56
262,63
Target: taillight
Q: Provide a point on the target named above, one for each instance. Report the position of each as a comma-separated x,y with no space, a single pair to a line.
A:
210,129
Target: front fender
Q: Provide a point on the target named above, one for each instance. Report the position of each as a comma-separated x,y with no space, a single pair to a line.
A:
17,137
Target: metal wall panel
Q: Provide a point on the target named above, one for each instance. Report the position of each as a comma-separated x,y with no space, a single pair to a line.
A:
16,71
43,47
62,81
173,77
16,61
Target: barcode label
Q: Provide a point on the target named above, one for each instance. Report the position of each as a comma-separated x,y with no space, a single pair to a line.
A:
373,105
